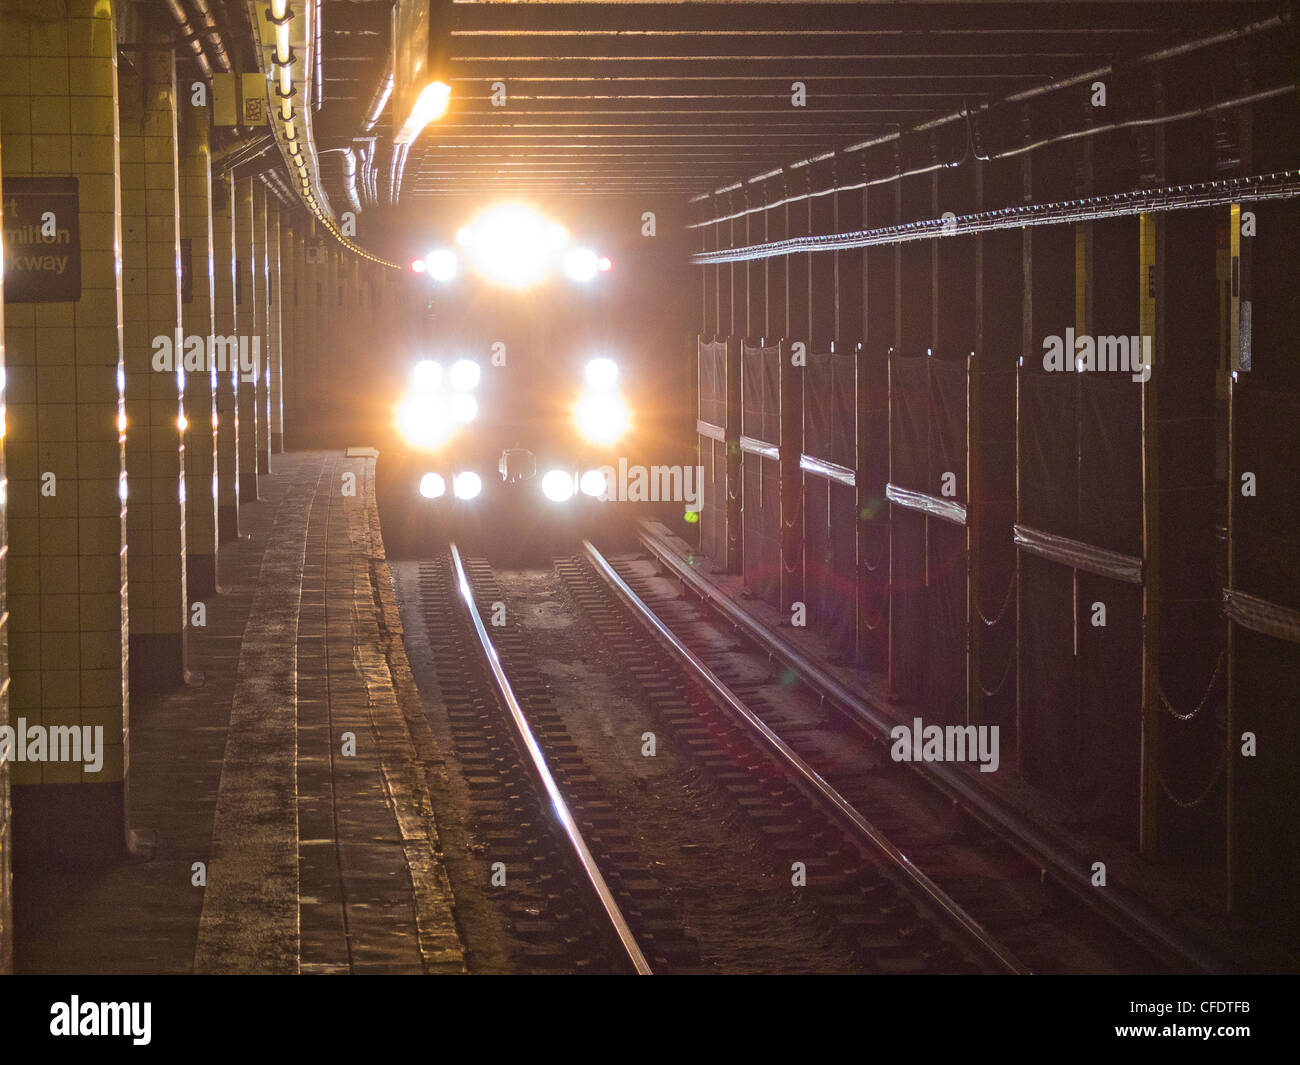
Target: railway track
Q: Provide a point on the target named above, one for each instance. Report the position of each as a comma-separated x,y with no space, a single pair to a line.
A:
888,877
1017,914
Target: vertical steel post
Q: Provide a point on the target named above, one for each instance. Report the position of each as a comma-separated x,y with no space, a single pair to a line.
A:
790,388
735,491
1151,230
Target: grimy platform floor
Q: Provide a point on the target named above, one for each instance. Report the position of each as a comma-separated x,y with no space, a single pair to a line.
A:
316,859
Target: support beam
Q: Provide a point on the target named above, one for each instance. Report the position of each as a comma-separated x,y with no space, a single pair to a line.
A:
247,326
790,382
151,301
6,814
262,326
735,473
224,264
198,310
64,450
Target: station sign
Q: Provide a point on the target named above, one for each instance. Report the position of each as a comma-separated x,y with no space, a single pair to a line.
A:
42,239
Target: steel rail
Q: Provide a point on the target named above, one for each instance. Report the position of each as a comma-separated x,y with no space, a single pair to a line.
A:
1034,844
808,778
561,809
1284,184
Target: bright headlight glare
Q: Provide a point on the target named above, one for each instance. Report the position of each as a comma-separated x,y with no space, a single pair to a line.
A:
593,483
602,373
511,245
464,375
557,485
423,421
428,375
441,264
432,486
581,264
466,485
464,408
601,418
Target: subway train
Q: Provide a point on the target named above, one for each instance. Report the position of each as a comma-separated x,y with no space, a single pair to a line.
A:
512,408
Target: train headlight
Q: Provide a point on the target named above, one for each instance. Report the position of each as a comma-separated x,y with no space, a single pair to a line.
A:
581,264
464,408
441,264
602,373
427,376
432,486
602,418
511,244
593,483
464,375
466,485
423,421
557,486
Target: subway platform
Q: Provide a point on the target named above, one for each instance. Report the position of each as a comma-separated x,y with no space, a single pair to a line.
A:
278,803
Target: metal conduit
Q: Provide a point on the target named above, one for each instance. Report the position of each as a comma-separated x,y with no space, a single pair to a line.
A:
1282,185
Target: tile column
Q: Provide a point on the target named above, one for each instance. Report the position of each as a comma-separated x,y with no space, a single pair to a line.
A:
6,834
275,328
198,320
64,449
151,291
262,323
247,326
291,267
227,330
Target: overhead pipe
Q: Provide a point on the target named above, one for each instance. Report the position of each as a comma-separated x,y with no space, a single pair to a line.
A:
379,98
366,148
349,175
273,187
362,173
244,151
396,168
274,177
1282,185
219,56
192,37
320,63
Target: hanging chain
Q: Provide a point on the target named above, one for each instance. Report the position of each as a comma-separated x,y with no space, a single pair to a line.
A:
1187,804
1006,602
1006,672
1168,707
871,567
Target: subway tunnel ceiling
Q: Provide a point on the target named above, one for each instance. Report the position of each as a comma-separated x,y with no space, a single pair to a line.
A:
682,97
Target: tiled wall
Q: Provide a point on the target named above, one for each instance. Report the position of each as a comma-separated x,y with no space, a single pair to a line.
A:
151,294
249,322
6,835
66,559
197,320
223,296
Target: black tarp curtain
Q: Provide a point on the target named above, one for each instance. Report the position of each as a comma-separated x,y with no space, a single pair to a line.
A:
1266,668
713,458
928,554
760,420
873,635
829,512
993,490
1081,477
